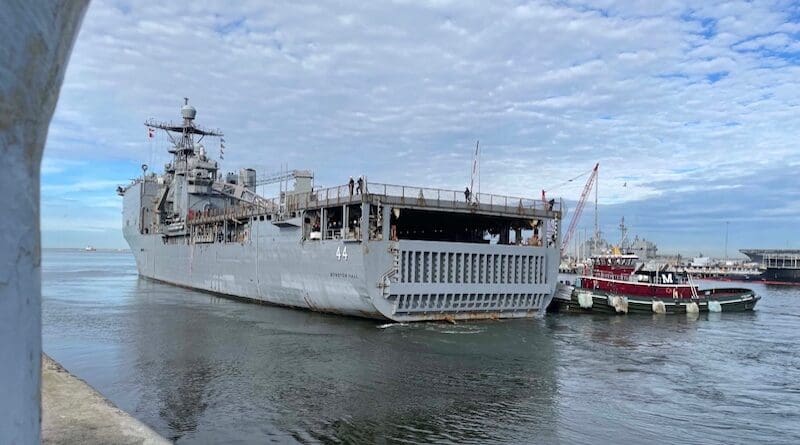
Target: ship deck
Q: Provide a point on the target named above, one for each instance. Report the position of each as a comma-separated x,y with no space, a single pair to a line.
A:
401,196
437,199
775,259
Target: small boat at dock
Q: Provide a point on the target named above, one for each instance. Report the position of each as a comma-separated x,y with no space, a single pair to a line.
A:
620,284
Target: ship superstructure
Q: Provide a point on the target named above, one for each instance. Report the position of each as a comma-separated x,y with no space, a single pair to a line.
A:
365,249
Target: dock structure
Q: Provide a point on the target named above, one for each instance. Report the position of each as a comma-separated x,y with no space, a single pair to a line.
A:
73,412
717,271
775,258
781,266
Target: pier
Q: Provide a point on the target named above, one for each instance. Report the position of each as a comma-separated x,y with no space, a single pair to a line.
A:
723,271
73,412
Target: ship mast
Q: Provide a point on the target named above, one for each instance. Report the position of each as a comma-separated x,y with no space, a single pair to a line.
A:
182,135
623,229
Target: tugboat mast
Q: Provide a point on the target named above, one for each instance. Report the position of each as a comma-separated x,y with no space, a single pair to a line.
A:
623,229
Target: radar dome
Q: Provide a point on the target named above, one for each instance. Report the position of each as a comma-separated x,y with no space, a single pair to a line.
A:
188,112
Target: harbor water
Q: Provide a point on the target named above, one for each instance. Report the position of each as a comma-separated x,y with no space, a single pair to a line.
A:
202,369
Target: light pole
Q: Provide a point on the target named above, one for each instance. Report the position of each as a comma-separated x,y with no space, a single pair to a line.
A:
726,240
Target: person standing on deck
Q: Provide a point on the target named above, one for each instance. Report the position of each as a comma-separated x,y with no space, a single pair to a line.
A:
351,184
467,194
360,188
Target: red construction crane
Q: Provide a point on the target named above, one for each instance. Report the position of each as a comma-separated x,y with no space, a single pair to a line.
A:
573,223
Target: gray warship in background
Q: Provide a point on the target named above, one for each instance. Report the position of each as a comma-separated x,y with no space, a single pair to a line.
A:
375,250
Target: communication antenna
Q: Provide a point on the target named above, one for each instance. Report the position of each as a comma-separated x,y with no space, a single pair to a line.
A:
150,136
475,169
623,229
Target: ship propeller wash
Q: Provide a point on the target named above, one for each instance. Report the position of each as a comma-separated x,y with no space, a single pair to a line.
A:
373,250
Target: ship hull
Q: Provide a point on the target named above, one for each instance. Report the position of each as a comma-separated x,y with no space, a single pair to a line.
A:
267,271
623,287
379,280
585,301
781,276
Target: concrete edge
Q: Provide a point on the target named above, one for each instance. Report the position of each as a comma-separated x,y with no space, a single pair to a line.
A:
74,412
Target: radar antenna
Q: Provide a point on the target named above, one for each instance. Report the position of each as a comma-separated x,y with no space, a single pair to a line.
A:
182,135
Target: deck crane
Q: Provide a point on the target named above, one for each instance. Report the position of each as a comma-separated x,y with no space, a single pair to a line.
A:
281,176
573,223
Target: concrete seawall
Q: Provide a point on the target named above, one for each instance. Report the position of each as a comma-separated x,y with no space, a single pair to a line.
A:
73,412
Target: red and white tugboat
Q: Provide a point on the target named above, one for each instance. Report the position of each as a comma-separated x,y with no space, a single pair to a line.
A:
619,283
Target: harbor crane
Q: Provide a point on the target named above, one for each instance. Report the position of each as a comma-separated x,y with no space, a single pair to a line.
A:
573,223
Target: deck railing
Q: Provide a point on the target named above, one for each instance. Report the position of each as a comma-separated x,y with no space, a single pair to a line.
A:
419,196
431,196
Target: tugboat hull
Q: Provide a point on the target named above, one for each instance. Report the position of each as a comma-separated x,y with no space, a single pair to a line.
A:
712,300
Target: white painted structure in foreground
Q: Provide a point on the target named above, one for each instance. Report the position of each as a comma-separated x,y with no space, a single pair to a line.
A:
37,38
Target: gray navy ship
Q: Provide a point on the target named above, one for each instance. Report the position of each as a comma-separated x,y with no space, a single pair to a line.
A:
781,266
368,249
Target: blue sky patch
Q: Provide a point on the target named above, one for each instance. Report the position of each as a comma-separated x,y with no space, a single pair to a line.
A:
689,107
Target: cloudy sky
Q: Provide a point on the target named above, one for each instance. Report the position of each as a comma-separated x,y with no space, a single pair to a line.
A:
692,111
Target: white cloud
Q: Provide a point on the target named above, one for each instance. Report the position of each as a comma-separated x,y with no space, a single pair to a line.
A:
660,93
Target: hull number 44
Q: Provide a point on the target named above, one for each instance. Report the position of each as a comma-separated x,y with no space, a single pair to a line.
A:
341,253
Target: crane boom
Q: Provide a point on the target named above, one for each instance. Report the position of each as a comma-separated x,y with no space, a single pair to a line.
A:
573,223
277,177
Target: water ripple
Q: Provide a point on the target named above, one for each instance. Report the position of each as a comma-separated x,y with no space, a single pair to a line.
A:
200,369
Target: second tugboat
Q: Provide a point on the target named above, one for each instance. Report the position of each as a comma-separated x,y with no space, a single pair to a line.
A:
620,284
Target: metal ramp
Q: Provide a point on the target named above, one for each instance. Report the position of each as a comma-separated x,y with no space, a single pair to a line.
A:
463,280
